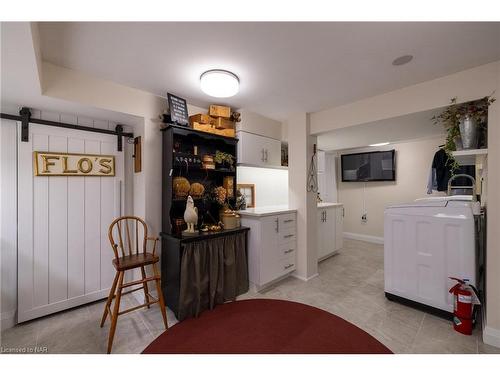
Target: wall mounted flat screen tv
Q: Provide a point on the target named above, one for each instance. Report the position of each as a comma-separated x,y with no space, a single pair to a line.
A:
369,166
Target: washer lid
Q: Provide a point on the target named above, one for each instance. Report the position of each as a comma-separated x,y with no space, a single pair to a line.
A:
434,201
447,198
423,203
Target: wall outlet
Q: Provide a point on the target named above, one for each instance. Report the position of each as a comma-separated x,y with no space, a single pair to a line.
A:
364,219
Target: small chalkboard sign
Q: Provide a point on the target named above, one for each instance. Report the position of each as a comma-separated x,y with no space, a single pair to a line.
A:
178,110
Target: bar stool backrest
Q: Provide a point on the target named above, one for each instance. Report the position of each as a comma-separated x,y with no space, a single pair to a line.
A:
131,232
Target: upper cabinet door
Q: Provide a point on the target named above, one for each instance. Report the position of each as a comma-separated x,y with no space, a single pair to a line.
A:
321,161
322,189
258,150
251,149
272,152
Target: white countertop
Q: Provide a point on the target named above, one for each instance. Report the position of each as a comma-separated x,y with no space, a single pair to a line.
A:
329,204
282,209
266,211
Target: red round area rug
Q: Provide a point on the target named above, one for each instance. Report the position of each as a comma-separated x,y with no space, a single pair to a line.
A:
265,326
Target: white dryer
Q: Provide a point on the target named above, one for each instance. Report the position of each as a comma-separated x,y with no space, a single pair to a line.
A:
425,242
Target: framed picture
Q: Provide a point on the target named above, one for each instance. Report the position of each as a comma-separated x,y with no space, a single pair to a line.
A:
178,110
248,191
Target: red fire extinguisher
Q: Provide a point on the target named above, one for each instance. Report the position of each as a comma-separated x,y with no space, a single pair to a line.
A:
464,298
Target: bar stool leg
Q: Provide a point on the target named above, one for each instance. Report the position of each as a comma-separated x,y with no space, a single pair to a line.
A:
116,309
110,299
160,296
145,285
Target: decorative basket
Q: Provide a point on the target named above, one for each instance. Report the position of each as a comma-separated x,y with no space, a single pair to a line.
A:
229,220
181,187
208,162
196,190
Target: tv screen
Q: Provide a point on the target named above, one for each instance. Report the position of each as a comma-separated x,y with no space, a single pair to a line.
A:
368,166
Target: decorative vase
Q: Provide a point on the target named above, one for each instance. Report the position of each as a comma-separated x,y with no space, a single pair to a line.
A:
468,132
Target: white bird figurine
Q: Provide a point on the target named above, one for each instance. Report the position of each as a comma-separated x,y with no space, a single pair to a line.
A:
190,216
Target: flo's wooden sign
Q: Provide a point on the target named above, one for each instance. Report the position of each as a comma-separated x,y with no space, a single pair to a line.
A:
63,164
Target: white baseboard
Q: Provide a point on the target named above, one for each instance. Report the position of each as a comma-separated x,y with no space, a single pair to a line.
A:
7,319
491,336
364,237
305,278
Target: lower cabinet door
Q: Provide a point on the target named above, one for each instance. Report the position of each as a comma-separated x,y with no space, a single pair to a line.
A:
329,231
270,251
320,247
326,232
339,227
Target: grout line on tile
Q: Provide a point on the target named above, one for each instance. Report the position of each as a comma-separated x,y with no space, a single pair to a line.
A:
418,331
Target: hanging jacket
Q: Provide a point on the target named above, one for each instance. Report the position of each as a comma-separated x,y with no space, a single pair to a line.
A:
432,181
440,173
443,172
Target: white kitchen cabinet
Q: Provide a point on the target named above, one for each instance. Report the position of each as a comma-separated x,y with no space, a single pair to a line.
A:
322,189
321,161
271,246
330,231
272,151
257,150
250,150
339,227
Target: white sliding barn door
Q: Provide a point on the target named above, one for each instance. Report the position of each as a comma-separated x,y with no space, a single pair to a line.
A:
64,255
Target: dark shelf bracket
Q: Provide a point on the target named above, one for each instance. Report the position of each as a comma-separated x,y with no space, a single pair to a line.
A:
25,114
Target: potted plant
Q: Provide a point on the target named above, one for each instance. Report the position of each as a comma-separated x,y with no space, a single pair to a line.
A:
224,160
463,122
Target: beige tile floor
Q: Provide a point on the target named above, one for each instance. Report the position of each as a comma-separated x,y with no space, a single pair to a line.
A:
350,285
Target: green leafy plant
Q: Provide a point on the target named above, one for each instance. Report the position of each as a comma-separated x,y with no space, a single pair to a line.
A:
450,119
221,157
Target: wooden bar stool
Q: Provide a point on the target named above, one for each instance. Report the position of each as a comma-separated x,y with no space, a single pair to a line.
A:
128,235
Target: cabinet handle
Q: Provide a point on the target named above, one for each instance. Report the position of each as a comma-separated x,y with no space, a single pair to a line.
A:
266,154
325,215
288,251
262,156
343,212
288,221
289,266
277,225
288,236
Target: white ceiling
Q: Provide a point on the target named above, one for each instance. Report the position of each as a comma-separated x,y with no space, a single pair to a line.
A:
283,67
20,84
397,129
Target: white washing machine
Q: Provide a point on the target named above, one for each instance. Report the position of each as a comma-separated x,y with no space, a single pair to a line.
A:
425,242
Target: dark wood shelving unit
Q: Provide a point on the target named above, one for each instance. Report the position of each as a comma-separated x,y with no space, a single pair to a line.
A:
182,140
179,141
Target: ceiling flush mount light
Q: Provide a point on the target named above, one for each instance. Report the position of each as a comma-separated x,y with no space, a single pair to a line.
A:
401,60
379,144
219,83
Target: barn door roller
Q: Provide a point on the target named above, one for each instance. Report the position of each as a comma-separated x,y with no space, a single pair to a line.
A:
25,114
25,118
